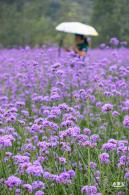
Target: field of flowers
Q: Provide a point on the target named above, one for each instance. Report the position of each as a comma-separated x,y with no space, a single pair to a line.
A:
64,122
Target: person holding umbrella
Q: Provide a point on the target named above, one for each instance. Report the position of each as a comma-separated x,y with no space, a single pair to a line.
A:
81,45
80,30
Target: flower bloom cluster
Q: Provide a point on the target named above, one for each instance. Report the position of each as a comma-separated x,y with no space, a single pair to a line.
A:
13,181
90,190
126,121
6,141
107,107
104,158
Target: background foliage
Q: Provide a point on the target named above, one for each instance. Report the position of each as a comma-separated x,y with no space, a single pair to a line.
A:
33,21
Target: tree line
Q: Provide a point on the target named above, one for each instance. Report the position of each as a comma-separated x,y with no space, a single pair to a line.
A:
32,22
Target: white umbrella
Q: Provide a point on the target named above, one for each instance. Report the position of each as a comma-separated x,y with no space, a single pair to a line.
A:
77,28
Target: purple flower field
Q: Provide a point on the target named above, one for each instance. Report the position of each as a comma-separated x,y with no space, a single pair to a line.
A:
64,122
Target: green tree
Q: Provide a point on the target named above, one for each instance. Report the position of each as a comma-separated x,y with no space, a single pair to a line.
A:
110,17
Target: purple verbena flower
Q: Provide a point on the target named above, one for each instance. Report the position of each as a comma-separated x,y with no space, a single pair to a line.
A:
13,181
38,185
104,158
89,190
107,107
126,121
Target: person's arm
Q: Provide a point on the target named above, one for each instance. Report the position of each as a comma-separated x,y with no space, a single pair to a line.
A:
80,53
76,50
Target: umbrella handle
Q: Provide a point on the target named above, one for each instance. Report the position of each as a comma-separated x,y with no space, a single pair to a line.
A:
61,42
60,45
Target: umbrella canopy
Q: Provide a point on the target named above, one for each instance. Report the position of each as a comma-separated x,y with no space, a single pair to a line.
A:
77,28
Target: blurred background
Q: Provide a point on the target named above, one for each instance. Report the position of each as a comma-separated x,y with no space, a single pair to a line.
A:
32,22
